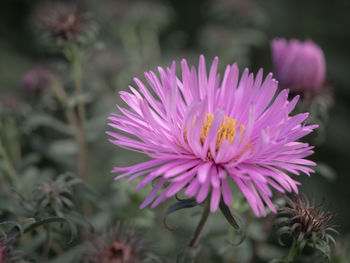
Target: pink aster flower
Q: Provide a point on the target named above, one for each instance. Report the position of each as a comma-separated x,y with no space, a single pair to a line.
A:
202,132
299,65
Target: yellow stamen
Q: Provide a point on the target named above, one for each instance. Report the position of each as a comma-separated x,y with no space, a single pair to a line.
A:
227,129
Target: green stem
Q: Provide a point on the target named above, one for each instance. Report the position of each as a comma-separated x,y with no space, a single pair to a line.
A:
11,171
6,187
201,224
83,148
73,120
78,122
47,244
77,76
292,252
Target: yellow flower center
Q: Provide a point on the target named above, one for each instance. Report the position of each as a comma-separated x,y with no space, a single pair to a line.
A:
227,129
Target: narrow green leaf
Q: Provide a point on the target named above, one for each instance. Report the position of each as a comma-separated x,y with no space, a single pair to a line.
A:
227,213
16,231
187,203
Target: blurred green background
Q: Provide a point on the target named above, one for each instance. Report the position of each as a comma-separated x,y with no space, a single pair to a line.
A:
135,36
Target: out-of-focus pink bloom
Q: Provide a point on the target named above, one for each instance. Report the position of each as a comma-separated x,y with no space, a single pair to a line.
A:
60,19
299,65
119,244
203,132
36,79
63,21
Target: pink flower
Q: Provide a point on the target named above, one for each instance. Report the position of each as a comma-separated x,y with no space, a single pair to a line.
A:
36,79
299,65
202,132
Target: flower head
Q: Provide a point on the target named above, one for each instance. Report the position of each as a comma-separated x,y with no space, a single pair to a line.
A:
64,22
202,133
119,245
308,217
61,20
299,65
307,222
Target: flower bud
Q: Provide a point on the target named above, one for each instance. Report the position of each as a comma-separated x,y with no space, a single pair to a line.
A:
59,20
309,223
299,65
61,23
36,79
119,244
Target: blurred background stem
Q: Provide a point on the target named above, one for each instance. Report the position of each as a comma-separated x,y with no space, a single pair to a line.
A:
82,156
47,244
72,54
73,120
79,136
11,171
77,76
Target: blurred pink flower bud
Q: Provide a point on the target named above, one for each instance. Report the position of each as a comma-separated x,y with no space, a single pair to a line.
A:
298,65
119,244
61,21
36,79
